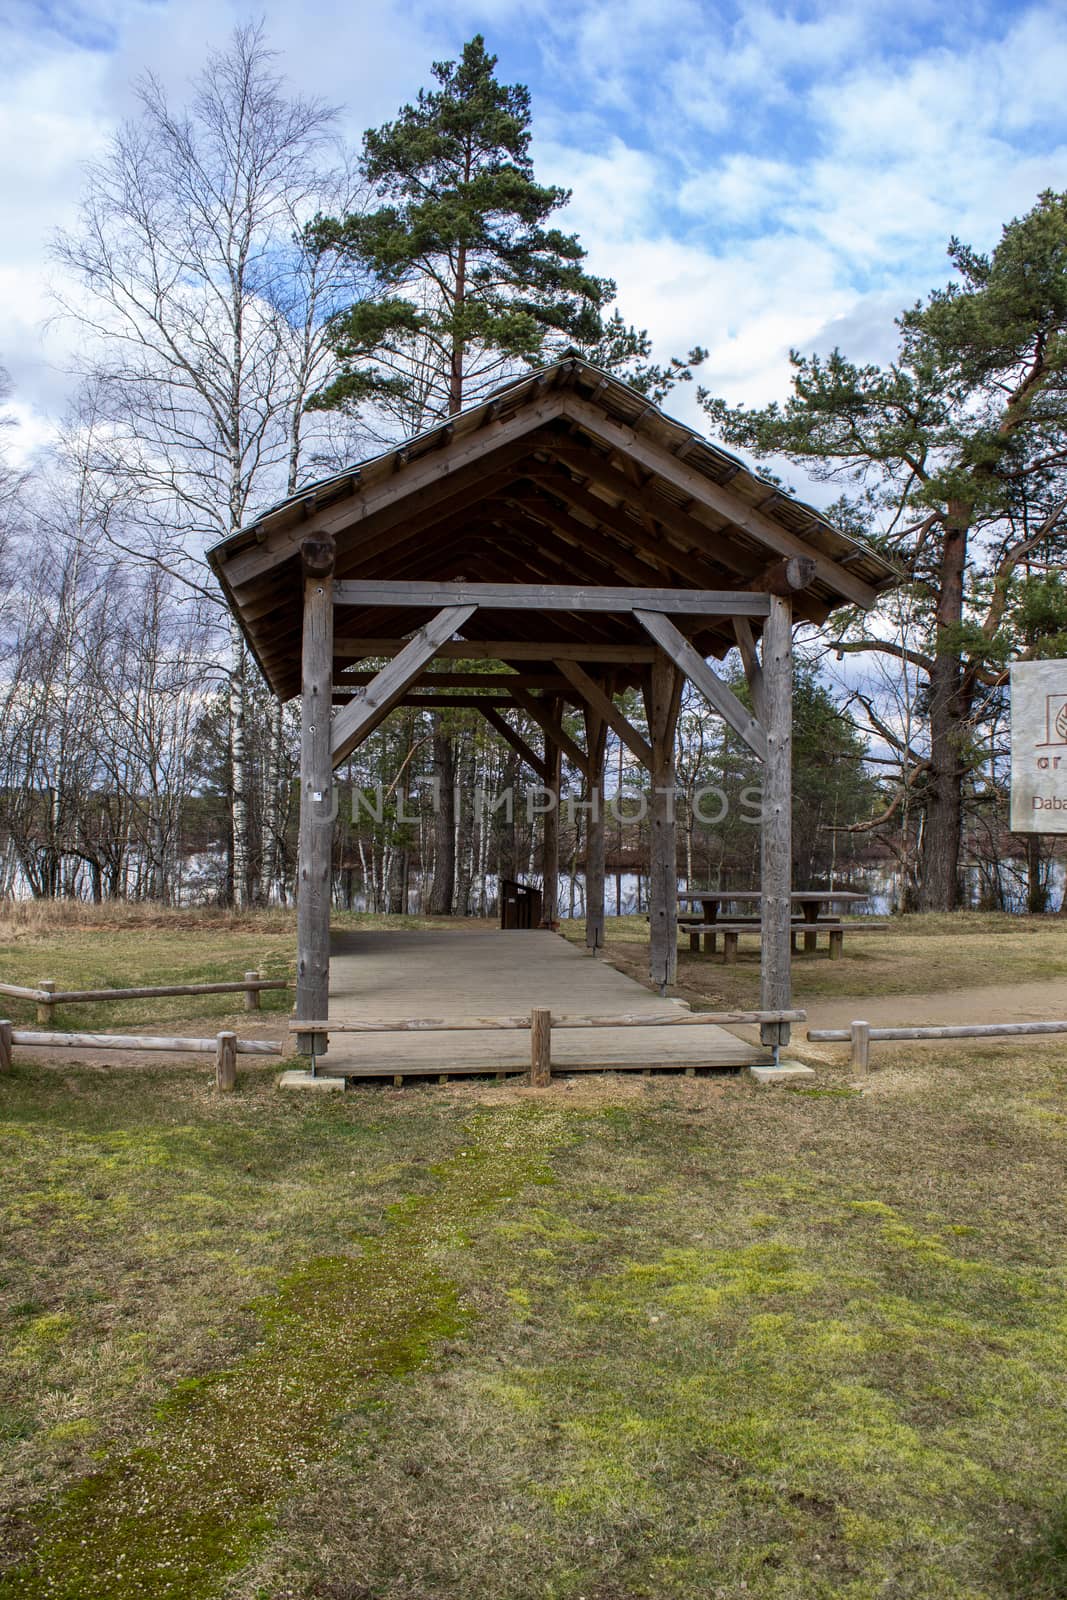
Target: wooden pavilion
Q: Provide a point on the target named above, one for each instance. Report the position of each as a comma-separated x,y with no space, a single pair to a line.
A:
569,530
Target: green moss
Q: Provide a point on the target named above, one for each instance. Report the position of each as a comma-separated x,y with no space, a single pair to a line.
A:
173,1517
697,1281
44,1334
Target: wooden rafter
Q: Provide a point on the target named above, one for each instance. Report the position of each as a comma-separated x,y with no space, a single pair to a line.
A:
554,729
690,548
723,499
715,691
428,472
604,707
360,717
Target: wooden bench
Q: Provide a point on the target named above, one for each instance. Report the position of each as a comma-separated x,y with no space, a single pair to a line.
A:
695,926
731,932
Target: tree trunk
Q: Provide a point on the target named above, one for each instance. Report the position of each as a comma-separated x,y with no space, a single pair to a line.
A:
1036,886
443,892
238,776
942,832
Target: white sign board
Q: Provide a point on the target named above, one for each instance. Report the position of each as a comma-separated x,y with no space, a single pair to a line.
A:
1039,747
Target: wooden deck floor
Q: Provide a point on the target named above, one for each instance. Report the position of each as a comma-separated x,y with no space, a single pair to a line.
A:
489,973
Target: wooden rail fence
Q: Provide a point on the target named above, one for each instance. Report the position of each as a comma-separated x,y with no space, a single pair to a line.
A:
540,1024
47,995
860,1035
225,1046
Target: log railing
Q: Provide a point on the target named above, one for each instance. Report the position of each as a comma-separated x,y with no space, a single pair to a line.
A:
47,995
860,1035
225,1046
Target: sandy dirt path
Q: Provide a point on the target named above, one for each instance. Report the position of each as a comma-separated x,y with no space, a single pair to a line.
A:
990,1002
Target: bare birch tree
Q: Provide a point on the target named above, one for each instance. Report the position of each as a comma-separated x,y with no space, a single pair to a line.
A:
204,320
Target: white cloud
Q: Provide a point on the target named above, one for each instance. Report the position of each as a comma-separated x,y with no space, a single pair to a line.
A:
754,175
739,190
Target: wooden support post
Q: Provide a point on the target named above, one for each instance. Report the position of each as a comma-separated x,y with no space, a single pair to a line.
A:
44,1007
662,698
252,995
776,870
596,741
315,848
5,1046
540,1047
550,836
837,945
226,1062
861,1048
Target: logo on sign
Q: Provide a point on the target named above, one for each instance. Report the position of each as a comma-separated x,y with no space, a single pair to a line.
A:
1055,721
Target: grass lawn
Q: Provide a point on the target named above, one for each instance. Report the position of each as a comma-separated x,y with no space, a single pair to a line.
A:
619,1338
926,954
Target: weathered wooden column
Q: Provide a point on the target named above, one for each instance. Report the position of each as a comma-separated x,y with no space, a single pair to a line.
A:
662,697
315,849
776,867
550,834
596,738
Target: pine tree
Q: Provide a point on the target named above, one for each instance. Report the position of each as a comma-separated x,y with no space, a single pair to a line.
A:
473,279
961,449
473,283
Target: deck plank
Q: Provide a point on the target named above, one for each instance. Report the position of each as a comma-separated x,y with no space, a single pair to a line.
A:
489,972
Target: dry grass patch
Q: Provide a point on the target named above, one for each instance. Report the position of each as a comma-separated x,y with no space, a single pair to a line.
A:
915,955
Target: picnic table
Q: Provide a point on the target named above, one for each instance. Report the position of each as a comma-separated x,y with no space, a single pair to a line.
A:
809,906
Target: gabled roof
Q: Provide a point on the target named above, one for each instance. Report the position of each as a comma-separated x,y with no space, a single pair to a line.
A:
565,476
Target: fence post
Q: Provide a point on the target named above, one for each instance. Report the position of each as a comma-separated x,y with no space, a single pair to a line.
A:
540,1047
226,1061
5,1046
860,1034
252,995
44,1007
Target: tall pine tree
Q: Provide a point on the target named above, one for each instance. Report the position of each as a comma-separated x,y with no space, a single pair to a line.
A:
473,283
961,448
473,279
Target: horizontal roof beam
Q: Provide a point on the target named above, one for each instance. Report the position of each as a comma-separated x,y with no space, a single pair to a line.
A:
553,597
413,697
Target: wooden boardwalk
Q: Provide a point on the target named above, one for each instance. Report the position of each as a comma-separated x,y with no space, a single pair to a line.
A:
490,973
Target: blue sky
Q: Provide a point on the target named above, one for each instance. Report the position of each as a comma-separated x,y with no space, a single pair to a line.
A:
754,176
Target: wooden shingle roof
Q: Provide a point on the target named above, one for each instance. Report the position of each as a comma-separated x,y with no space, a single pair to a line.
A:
565,476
